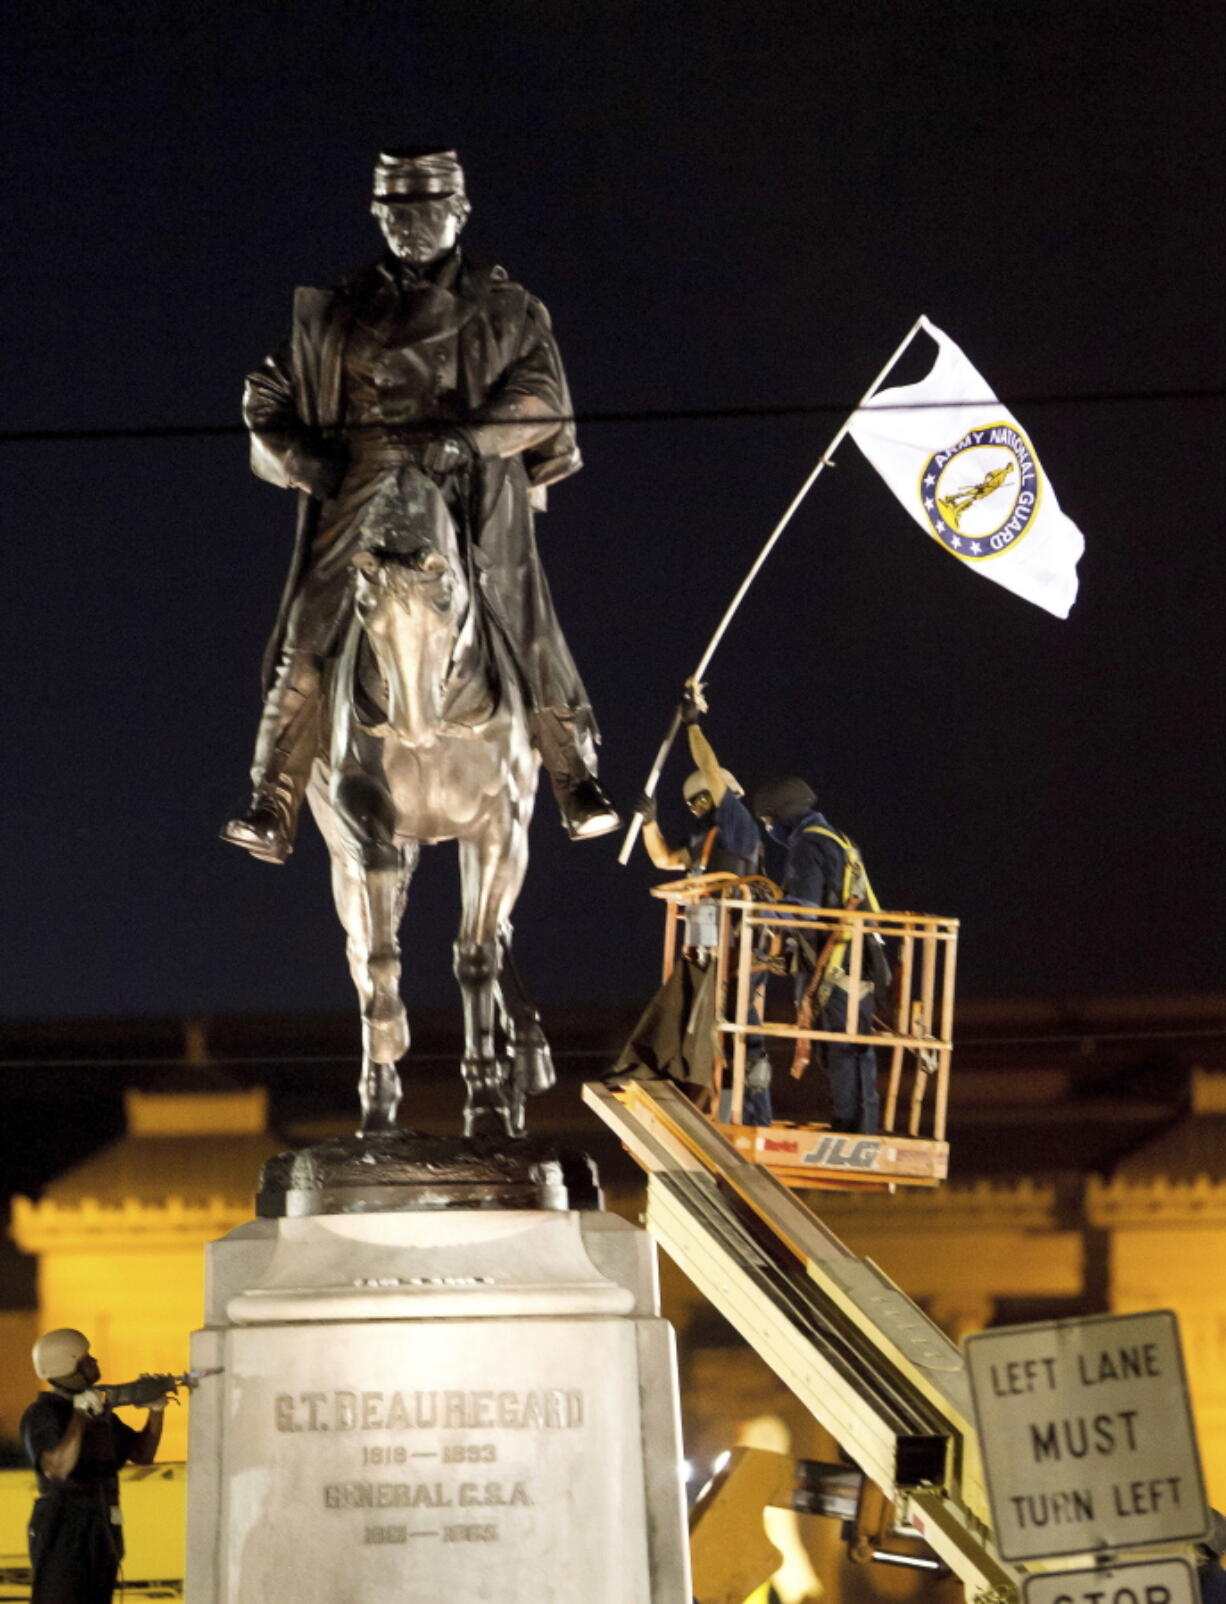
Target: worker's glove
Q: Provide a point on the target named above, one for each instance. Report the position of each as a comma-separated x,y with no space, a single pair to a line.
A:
645,807
89,1402
693,703
446,452
158,1405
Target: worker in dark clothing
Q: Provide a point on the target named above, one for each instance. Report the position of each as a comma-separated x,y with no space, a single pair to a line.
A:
78,1447
725,840
823,870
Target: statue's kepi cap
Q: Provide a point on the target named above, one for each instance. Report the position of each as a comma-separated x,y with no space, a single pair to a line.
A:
418,174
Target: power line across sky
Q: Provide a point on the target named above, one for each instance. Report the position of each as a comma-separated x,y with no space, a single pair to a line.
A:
798,409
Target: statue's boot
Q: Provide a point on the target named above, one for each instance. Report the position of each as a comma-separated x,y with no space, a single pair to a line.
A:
568,753
284,750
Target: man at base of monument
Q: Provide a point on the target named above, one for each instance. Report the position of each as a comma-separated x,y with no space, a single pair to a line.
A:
435,359
77,1448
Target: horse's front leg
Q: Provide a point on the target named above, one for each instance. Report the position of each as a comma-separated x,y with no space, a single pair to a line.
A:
385,1025
488,1107
370,882
491,873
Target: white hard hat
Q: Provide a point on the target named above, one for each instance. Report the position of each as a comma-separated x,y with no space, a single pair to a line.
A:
58,1353
697,782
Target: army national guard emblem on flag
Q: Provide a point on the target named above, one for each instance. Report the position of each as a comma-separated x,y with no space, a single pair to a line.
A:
963,467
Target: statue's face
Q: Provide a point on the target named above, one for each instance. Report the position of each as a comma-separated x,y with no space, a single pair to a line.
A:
421,230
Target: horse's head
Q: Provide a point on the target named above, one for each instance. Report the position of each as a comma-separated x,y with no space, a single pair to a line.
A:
408,577
412,601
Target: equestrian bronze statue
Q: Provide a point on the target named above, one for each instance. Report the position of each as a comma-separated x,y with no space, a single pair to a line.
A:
418,676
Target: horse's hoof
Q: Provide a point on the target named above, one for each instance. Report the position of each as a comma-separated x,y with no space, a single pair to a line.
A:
488,1122
379,1088
376,1127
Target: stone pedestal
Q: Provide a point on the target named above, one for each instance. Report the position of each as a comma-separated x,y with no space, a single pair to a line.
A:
432,1406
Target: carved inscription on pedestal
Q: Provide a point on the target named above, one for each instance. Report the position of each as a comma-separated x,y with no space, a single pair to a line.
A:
417,1439
459,1458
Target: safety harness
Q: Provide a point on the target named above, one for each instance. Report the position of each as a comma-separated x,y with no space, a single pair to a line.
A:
730,862
828,971
708,846
855,876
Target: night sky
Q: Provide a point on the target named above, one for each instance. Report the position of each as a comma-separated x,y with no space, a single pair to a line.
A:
722,205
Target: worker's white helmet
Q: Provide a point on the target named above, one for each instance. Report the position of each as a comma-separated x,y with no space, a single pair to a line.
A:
58,1353
697,782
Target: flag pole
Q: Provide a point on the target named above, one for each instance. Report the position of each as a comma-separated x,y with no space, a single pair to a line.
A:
823,462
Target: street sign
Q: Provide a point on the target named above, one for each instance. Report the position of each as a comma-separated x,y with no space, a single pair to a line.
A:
1159,1581
1087,1435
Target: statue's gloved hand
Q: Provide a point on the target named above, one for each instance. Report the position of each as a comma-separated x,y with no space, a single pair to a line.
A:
446,451
693,703
319,469
645,807
89,1402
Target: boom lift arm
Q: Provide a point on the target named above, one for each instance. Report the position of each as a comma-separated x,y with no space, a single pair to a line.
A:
872,1369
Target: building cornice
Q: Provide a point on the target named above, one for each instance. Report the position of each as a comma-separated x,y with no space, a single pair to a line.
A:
86,1225
1121,1203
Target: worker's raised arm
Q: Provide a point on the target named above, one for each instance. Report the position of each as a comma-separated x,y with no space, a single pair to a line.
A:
707,764
693,706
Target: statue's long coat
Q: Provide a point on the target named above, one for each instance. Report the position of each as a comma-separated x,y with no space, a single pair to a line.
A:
505,350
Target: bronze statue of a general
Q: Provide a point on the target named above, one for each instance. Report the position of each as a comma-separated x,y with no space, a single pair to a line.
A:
431,360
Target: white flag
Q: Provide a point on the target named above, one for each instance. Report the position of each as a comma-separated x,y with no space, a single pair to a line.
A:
963,467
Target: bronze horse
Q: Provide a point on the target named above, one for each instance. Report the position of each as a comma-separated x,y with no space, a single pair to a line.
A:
427,740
